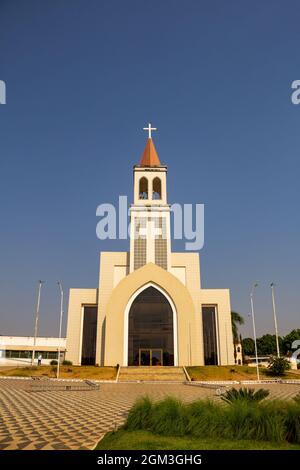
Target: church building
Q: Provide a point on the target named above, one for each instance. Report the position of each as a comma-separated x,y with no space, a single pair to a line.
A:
149,307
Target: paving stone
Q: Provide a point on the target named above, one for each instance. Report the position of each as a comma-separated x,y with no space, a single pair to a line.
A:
78,420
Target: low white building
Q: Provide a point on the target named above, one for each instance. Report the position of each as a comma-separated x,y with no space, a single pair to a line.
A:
17,350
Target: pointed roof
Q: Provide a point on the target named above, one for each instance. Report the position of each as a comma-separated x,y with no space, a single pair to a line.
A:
150,157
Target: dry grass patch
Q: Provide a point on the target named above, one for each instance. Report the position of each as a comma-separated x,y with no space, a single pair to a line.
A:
66,372
230,373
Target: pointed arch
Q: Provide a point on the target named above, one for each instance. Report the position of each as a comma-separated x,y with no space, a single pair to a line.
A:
176,292
130,303
143,188
156,188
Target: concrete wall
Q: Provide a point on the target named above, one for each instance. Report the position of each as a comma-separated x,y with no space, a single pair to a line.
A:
107,282
77,299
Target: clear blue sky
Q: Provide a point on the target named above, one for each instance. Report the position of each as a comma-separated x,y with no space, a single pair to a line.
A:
83,77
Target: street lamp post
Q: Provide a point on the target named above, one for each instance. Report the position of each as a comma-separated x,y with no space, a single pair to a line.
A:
275,318
60,325
36,323
254,330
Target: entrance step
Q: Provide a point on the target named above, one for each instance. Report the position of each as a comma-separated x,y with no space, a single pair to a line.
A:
152,374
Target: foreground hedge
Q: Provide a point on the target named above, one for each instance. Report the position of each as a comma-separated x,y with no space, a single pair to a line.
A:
265,421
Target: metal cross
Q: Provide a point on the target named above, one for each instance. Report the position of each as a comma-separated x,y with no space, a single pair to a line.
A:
149,129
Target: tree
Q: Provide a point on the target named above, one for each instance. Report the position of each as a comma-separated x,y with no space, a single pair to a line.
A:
248,346
278,366
236,319
288,341
266,345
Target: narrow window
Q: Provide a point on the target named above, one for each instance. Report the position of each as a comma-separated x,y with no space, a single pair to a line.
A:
209,335
156,194
143,189
88,355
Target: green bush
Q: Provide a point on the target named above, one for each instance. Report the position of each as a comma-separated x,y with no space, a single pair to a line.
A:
204,418
168,418
292,422
53,362
243,419
244,394
278,366
139,415
252,420
66,363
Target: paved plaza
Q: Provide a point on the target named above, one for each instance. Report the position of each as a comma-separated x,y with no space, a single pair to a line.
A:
63,420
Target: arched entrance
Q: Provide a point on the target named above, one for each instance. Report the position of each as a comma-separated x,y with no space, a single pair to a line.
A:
185,325
151,329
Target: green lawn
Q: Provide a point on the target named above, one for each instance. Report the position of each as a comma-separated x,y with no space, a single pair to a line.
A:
237,373
144,440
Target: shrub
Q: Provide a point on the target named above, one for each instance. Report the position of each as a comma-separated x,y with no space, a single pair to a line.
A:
245,395
53,362
66,363
275,420
168,418
139,415
278,366
205,418
292,422
253,420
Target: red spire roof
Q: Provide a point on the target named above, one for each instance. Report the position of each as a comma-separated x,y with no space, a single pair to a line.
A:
150,157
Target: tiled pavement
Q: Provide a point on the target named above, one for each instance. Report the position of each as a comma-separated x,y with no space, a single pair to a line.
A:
78,419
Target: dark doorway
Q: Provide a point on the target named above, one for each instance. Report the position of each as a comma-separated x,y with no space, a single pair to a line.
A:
89,334
150,330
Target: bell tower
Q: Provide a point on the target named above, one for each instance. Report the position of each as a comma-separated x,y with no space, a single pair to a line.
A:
150,212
